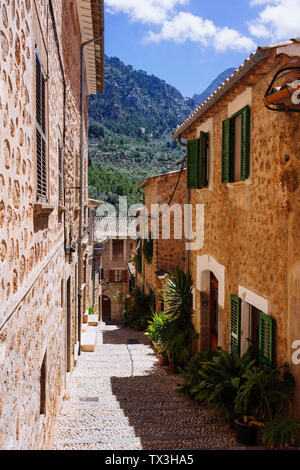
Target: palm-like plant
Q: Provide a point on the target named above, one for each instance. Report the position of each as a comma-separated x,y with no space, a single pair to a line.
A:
176,293
180,331
220,380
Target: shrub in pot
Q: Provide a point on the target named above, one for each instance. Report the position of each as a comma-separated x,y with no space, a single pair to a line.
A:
266,391
281,432
220,380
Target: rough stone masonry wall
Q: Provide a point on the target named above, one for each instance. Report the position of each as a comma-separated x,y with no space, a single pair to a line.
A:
70,45
167,254
109,264
247,225
32,263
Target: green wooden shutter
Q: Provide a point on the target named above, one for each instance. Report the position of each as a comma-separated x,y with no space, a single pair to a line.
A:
245,151
227,150
203,160
235,323
192,164
266,339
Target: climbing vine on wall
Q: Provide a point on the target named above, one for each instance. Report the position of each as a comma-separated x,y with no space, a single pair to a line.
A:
148,249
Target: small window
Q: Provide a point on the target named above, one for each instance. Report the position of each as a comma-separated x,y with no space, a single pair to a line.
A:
118,247
118,276
236,147
41,153
197,162
43,382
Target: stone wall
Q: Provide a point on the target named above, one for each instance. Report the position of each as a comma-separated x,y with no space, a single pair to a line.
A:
33,267
168,254
108,263
252,228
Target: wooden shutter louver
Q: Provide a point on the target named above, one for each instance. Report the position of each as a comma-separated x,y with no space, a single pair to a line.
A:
192,164
227,150
60,175
203,160
245,150
112,277
266,339
41,156
235,323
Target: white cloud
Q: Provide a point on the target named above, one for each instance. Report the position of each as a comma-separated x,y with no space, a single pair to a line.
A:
186,26
145,11
280,19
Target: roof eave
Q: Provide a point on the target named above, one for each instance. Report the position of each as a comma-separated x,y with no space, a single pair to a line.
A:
91,19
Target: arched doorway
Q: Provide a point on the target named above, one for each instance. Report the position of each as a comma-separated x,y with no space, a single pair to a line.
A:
106,309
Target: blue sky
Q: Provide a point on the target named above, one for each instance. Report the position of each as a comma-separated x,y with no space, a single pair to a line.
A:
189,42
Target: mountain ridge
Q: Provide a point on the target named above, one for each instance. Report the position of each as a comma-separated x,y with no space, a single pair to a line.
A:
202,97
130,129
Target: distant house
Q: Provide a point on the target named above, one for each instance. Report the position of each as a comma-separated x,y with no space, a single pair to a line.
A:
243,165
114,238
168,192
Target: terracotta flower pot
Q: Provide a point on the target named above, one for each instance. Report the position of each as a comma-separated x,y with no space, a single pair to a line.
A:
161,360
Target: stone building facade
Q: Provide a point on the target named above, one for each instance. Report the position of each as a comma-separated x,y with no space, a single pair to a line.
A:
94,253
39,206
247,273
167,192
114,238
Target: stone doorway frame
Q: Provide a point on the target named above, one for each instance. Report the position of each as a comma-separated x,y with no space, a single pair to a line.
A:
207,264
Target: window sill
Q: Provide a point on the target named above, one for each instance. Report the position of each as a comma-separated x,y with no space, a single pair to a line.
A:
42,209
237,184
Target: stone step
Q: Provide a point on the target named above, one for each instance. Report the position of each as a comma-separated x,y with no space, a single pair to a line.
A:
89,339
172,442
140,421
98,411
93,320
108,435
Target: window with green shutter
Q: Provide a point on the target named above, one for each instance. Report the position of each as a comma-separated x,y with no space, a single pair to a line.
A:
197,162
192,164
235,323
236,146
266,339
245,142
203,160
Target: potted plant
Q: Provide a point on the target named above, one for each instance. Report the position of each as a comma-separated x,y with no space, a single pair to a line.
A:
264,393
220,380
85,317
92,318
281,432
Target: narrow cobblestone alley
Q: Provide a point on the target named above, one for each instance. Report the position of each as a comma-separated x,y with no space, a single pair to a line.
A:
120,399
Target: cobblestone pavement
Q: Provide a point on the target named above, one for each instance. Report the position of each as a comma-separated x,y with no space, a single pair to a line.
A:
120,398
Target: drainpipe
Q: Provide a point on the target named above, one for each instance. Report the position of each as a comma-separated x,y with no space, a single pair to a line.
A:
81,180
188,200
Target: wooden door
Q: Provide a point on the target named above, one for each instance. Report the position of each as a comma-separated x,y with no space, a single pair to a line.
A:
106,309
213,312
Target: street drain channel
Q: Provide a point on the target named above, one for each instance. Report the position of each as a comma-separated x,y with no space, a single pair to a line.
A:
133,341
